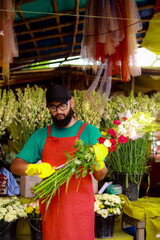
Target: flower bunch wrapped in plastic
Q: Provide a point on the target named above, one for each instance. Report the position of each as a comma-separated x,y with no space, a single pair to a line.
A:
106,204
32,210
79,163
11,209
129,141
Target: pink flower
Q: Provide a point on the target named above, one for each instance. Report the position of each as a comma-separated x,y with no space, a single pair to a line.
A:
113,141
112,132
112,148
122,139
116,122
101,139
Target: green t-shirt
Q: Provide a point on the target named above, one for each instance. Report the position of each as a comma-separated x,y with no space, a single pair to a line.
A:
32,150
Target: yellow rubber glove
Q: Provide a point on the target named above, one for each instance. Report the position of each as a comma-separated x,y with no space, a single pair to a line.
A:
100,153
43,169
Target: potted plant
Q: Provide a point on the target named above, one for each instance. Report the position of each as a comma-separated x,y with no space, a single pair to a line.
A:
10,211
106,207
127,154
34,218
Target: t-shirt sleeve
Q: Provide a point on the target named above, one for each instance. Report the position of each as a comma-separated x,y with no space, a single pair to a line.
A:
31,151
91,134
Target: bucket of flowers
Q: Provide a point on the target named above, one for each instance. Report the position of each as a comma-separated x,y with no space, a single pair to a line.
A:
11,210
106,207
34,218
127,158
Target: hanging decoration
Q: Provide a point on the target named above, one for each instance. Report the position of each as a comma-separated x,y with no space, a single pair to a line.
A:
8,44
152,36
109,36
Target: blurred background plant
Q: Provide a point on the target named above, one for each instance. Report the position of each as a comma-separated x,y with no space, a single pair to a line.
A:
116,106
8,109
32,114
89,108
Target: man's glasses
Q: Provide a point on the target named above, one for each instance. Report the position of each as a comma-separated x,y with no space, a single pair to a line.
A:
61,106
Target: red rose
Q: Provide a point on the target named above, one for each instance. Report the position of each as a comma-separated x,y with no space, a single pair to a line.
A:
112,148
113,141
112,132
101,139
122,139
116,122
124,118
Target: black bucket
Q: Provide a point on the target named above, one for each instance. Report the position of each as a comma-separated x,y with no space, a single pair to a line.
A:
36,229
104,226
131,189
8,230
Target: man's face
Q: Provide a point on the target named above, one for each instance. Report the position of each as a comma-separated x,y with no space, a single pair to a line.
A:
61,113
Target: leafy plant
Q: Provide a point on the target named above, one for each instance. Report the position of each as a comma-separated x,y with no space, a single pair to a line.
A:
31,115
116,106
129,144
89,108
8,109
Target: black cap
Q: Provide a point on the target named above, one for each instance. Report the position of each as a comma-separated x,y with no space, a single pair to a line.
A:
58,93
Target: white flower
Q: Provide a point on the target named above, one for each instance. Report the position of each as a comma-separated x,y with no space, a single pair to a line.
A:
107,143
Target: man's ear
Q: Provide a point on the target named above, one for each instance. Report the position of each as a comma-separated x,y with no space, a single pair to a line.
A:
72,102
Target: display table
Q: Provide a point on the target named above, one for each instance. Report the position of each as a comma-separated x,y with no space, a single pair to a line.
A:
144,213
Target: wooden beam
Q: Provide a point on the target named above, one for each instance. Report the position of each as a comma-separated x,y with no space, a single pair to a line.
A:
54,3
41,57
48,37
49,47
18,23
46,28
76,27
28,27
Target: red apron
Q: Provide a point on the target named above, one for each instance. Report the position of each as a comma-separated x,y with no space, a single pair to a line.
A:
70,215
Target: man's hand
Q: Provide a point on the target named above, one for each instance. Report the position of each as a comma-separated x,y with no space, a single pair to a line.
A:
43,169
100,153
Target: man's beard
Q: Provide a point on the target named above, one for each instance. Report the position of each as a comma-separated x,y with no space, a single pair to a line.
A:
63,122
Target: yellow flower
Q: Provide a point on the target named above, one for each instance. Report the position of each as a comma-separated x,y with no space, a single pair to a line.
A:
29,209
110,210
104,133
101,206
37,211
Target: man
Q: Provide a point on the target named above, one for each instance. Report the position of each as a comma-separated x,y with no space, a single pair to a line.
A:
71,214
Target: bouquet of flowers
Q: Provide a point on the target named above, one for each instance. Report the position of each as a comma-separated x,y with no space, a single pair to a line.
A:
106,204
11,209
79,163
32,210
129,143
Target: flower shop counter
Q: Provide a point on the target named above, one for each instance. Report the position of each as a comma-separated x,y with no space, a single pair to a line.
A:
143,213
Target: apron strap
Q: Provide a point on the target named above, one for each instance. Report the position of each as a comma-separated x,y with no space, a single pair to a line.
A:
49,130
81,129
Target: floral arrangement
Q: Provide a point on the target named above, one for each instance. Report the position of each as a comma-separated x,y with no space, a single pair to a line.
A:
8,109
127,153
89,108
79,163
32,210
116,106
106,204
11,209
32,114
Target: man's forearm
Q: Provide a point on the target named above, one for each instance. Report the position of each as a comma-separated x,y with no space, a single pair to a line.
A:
19,166
99,175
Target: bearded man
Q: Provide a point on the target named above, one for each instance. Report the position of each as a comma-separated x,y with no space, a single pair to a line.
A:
71,214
